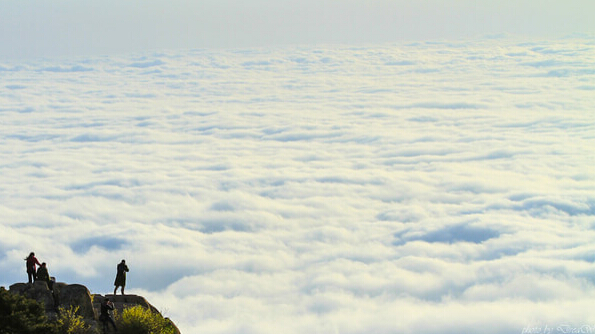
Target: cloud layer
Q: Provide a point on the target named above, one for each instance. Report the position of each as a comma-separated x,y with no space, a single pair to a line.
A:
426,187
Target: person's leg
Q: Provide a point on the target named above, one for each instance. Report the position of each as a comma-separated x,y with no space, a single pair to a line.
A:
122,290
115,289
30,276
111,320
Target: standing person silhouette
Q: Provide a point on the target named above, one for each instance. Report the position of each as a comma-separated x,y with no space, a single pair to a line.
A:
106,315
31,262
121,276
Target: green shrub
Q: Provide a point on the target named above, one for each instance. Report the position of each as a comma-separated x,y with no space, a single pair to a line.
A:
140,320
69,322
21,315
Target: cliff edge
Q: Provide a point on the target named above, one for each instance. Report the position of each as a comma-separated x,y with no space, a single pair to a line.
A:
77,295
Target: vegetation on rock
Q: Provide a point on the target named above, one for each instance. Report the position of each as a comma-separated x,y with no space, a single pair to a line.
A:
20,315
70,322
140,320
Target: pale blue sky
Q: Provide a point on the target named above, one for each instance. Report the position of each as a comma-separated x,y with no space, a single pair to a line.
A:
34,28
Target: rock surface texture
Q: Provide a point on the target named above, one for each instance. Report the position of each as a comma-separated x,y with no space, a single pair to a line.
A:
76,295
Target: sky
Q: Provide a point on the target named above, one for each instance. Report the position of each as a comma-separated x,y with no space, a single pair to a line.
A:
45,28
302,180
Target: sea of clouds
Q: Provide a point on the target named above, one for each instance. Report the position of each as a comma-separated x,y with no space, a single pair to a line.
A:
442,187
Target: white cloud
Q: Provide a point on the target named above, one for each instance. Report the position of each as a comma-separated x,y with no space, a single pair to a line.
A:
427,187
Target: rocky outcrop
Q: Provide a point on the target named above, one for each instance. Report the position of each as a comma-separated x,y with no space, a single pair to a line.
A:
67,295
39,291
76,295
121,302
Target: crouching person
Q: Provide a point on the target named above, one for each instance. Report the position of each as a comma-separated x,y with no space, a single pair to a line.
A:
44,275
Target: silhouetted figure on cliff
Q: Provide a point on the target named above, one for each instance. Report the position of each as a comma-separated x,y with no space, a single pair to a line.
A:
121,276
44,275
106,315
31,262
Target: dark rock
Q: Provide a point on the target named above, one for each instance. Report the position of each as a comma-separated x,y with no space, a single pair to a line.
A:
38,291
122,301
77,295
